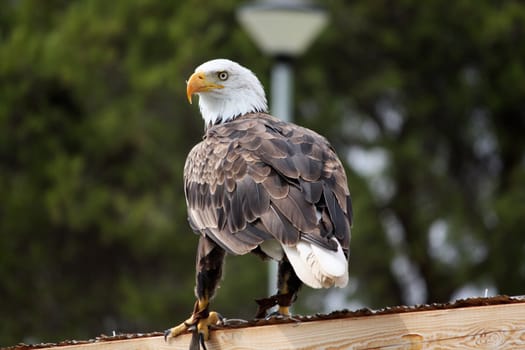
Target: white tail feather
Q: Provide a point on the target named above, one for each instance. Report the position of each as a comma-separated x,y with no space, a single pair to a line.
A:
332,263
318,267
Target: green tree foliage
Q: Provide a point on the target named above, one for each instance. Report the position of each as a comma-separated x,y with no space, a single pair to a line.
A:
95,128
439,91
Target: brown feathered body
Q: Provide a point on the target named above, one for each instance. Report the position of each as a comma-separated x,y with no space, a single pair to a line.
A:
257,178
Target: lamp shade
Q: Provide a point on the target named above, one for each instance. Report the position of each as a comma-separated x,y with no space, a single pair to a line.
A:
282,28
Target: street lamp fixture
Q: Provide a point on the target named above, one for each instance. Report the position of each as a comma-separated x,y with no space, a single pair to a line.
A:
282,28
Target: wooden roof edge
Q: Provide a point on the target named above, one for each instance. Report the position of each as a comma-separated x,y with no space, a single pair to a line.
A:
484,308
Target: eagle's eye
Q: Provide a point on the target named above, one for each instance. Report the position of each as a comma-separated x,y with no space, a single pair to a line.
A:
223,75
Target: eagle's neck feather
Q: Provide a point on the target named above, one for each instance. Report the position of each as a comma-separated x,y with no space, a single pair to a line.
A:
216,109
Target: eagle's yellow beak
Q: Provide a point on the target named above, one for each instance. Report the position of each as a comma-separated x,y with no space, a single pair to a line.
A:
198,82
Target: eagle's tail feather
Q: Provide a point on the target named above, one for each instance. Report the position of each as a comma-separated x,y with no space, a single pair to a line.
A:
318,267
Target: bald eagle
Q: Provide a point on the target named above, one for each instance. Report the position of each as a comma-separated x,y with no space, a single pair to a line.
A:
261,185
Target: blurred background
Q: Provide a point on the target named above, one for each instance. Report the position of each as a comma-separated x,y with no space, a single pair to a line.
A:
423,100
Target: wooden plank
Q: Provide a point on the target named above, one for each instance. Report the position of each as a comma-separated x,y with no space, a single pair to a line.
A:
481,327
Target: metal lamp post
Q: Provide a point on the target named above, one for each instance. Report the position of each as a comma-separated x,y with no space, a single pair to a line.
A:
282,29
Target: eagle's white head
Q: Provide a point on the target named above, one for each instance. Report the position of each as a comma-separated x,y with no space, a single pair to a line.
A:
226,90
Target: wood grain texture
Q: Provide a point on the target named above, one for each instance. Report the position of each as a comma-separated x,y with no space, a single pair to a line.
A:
482,327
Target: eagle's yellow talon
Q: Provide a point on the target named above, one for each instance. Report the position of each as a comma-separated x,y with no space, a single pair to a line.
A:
177,330
284,310
202,326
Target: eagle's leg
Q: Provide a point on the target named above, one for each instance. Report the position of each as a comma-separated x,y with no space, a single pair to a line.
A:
288,284
209,263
